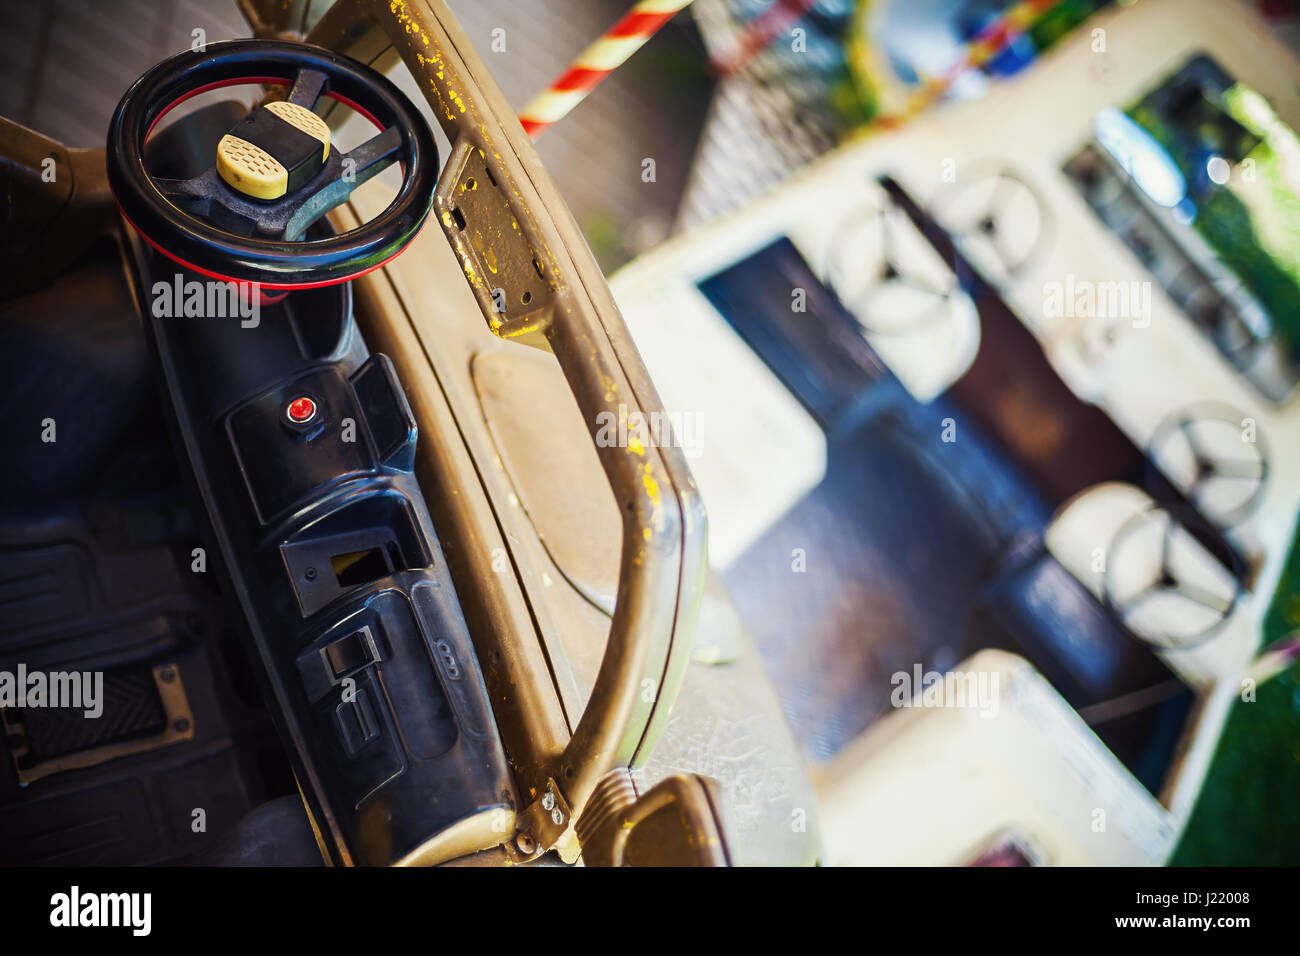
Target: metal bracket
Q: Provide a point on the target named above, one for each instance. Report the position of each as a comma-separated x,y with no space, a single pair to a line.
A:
508,275
547,824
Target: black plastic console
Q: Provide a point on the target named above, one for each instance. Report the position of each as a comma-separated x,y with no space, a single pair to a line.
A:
302,445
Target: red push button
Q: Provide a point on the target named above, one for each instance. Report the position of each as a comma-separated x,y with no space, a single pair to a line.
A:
301,410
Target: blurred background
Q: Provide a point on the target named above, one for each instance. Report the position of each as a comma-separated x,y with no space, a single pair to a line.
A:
730,98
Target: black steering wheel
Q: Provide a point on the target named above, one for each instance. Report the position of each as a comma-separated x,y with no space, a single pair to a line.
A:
276,173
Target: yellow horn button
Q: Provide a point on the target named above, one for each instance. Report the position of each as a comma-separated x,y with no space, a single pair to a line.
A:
250,169
305,120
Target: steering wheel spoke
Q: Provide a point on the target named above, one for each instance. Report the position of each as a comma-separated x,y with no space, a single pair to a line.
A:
374,155
353,169
308,85
175,190
1239,468
191,196
1130,604
1218,604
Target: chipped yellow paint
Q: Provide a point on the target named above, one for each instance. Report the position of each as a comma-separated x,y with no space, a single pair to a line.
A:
437,92
651,486
487,255
635,445
646,533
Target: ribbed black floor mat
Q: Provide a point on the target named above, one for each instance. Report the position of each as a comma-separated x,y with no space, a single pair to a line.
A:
97,575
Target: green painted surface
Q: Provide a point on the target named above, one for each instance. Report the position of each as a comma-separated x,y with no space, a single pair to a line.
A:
1248,812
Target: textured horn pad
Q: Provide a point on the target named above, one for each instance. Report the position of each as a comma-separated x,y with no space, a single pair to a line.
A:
274,151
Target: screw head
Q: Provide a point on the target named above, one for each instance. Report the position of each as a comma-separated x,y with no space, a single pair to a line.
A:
548,801
525,844
557,816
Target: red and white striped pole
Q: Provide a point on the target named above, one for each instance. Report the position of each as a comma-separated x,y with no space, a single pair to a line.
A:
598,61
